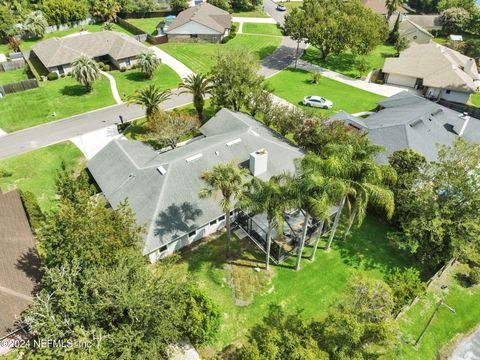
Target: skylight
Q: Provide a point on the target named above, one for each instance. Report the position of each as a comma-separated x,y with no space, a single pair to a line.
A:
193,158
162,170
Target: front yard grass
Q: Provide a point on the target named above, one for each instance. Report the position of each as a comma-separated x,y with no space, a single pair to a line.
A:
130,81
200,57
36,171
344,63
292,4
475,99
149,25
263,29
313,289
26,45
64,96
258,13
344,97
7,77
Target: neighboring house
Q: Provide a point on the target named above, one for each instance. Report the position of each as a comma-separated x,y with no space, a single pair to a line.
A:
162,188
406,120
442,73
380,7
202,22
57,54
411,31
19,262
427,22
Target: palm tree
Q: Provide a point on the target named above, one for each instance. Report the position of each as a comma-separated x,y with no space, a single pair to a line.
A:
317,193
392,6
148,63
36,24
199,85
273,197
150,97
85,70
228,180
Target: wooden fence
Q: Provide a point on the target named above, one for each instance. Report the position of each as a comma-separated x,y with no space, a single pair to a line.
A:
12,65
140,34
18,86
130,27
150,14
155,40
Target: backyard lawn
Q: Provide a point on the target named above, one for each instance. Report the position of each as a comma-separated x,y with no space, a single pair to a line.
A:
27,44
313,289
36,171
12,76
149,25
130,81
200,57
64,96
264,29
344,63
344,97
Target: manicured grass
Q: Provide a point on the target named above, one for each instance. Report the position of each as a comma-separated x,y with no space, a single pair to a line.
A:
130,81
36,171
292,4
445,326
264,29
64,96
475,99
149,25
200,57
313,289
254,13
344,63
4,49
293,85
27,44
12,76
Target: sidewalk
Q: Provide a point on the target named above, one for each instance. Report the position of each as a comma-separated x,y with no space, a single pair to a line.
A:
169,60
113,86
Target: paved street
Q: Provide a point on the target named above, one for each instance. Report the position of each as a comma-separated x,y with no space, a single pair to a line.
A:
270,8
468,348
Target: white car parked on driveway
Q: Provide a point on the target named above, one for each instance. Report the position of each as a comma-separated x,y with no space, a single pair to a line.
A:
317,101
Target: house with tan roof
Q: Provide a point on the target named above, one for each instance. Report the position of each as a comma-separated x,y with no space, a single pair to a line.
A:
202,22
442,73
410,30
119,50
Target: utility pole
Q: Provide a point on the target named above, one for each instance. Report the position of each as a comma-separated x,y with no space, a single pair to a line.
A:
440,303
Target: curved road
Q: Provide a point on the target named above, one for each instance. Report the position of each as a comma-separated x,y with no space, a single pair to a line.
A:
61,130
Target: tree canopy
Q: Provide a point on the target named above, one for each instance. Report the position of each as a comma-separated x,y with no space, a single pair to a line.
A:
64,11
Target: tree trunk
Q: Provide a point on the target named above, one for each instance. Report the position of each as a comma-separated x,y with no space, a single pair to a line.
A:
335,222
352,219
302,241
317,241
227,225
269,242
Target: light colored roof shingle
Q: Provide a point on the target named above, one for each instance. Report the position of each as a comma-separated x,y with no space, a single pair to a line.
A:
206,15
61,51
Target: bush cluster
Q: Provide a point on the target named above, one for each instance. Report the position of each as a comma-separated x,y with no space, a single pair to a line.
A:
52,76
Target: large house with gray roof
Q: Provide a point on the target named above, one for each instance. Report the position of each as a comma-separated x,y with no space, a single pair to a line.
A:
406,120
162,187
442,73
58,54
202,22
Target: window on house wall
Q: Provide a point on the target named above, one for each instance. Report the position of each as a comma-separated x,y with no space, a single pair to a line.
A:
163,249
213,222
192,233
221,218
61,70
193,36
448,91
128,62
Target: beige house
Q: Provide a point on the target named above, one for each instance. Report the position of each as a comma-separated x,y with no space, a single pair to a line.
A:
57,54
441,73
202,22
411,30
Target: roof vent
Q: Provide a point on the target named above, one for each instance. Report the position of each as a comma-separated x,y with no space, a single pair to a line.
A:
161,170
217,152
233,142
193,158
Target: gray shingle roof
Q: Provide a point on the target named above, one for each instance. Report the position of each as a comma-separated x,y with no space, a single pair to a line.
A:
61,51
410,121
169,204
206,15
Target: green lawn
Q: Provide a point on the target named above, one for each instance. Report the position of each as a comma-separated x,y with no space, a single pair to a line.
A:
27,44
149,25
264,29
313,289
259,13
344,97
4,49
64,96
36,171
475,99
292,4
12,76
344,63
129,81
200,57
445,326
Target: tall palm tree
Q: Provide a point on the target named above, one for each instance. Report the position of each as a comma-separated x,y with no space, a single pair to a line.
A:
150,97
148,63
317,193
228,180
199,85
86,71
392,6
36,24
273,197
